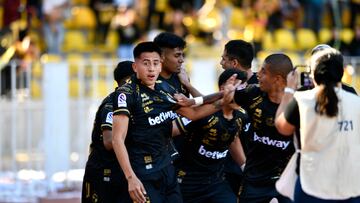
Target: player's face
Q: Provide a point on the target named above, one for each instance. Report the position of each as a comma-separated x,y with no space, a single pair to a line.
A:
226,62
267,80
173,60
148,68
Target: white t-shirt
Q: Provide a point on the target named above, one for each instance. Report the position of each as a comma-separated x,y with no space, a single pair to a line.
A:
330,147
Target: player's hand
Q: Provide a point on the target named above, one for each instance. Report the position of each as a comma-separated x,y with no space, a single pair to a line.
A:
183,77
292,79
182,100
229,89
136,190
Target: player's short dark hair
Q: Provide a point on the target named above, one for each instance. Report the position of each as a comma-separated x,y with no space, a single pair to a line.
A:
279,64
122,71
240,50
227,73
169,40
146,47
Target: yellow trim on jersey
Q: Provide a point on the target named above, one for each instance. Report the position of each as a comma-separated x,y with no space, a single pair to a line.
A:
106,125
122,110
182,128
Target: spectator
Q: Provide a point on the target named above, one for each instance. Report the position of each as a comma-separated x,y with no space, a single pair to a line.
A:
329,122
104,12
54,13
127,29
313,14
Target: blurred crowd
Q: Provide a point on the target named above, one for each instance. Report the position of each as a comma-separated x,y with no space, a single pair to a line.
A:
113,26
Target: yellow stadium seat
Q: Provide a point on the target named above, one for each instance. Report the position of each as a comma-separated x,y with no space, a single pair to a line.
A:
268,41
284,40
237,19
75,61
35,89
325,35
347,35
112,41
80,2
84,17
101,89
261,55
74,88
306,39
36,70
295,58
74,41
48,58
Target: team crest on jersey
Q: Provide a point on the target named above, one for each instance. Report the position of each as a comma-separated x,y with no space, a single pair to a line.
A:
109,117
241,86
170,99
122,100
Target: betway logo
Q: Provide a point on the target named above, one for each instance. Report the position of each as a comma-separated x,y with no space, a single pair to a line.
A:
276,143
163,116
212,155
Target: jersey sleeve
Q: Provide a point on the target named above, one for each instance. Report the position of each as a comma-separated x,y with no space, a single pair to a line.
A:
106,117
182,124
244,94
292,114
123,100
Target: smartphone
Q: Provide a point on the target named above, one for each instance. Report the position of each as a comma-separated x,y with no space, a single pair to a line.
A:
306,81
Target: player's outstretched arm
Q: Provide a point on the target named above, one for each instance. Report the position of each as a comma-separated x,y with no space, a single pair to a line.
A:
198,112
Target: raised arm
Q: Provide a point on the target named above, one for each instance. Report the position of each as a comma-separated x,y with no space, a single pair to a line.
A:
184,79
120,127
194,113
281,124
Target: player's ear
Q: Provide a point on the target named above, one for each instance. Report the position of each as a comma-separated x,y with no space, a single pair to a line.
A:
133,65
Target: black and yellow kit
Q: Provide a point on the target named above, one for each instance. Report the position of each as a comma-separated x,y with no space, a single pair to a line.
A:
150,115
201,163
103,179
268,151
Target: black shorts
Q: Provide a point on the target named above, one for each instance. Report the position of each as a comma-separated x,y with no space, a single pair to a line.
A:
217,192
98,187
197,188
260,193
162,186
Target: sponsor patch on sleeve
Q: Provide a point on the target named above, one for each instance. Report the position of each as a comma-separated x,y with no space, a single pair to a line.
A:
109,117
185,121
122,100
241,86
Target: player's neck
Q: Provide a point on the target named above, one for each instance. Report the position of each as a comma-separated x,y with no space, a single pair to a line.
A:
276,94
249,73
165,74
227,112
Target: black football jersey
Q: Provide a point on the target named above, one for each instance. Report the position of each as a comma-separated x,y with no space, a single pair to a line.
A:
150,115
268,151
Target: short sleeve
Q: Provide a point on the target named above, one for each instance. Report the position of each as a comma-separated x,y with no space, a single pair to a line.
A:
122,101
243,94
183,124
292,114
106,117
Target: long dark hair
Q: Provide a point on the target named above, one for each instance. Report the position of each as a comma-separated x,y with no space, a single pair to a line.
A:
328,64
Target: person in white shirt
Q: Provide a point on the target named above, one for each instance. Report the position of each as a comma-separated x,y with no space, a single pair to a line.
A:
328,119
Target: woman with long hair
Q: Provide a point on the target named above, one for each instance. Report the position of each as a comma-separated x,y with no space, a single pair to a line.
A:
328,119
